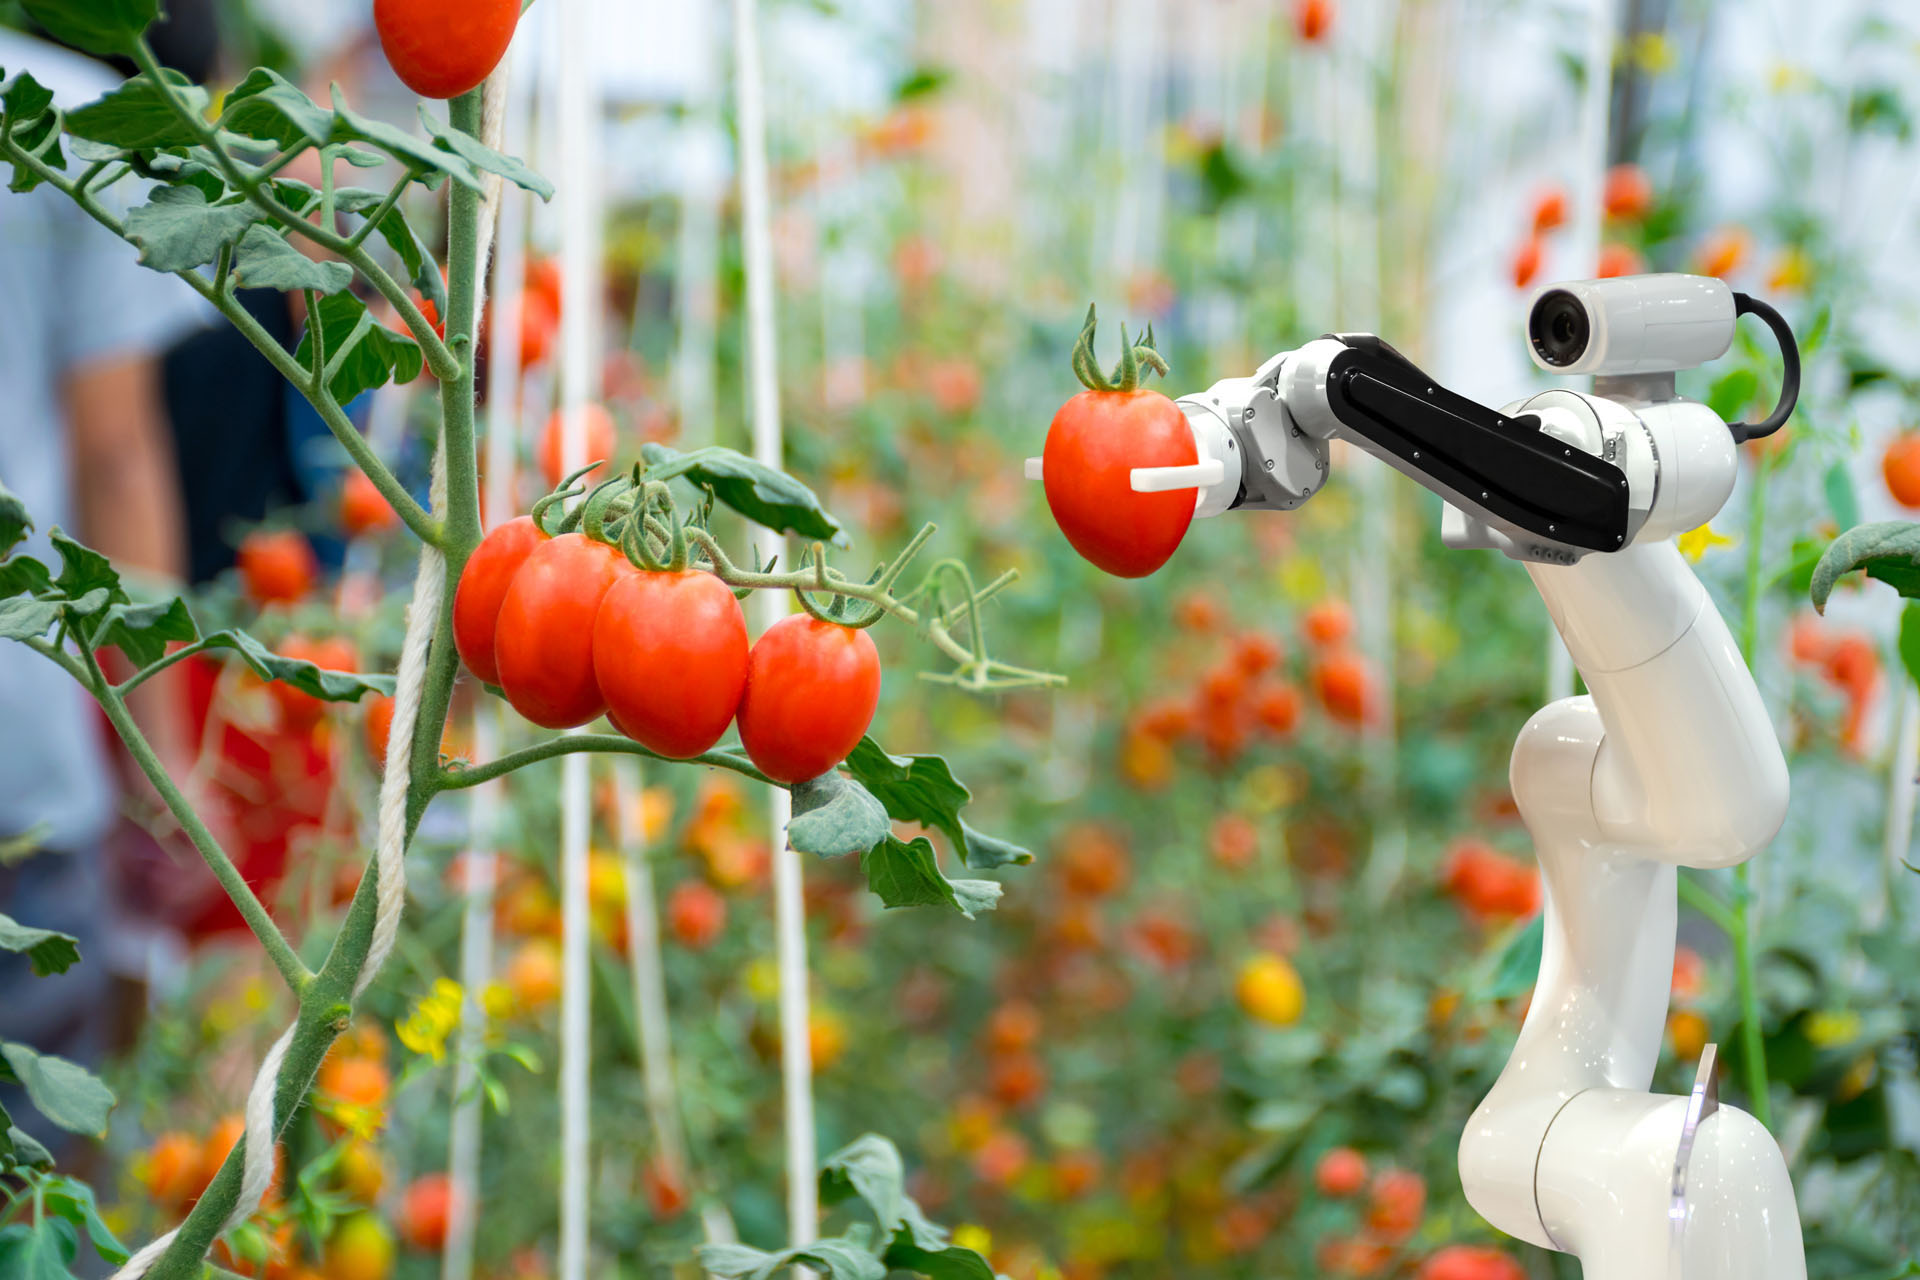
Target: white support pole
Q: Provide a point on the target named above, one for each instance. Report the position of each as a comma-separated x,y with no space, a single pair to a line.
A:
579,197
476,922
1900,794
796,1065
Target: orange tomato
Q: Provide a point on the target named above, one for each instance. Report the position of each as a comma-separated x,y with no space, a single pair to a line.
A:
1269,990
666,1189
360,1249
360,1171
1526,261
696,914
1001,1158
1199,612
1687,1031
602,442
1076,1173
1471,1262
826,1038
1344,683
1327,624
378,726
219,1145
170,1171
1900,465
1689,973
1397,1203
361,1082
1723,253
1017,1079
1234,841
425,1208
363,508
1628,193
1619,260
1312,19
1342,1172
1549,210
1014,1026
533,974
1256,653
1168,719
277,566
1092,859
1276,708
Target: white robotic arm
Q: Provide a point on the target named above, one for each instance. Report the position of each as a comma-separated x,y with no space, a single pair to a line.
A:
1671,760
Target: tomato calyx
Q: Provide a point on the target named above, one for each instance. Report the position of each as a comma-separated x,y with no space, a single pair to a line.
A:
1136,360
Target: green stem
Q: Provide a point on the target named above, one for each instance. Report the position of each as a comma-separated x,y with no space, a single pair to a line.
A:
384,208
1753,1043
1704,901
275,942
454,779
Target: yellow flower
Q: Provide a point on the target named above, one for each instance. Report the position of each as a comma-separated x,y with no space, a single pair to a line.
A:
496,1000
972,1236
433,1018
1793,269
1695,543
1829,1027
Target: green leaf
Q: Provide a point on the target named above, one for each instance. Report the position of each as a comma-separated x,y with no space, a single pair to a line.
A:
1518,967
757,491
378,356
1841,499
135,115
97,26
268,106
921,82
1888,549
1732,392
47,950
485,158
329,686
415,153
868,1167
24,618
422,271
84,571
950,1262
64,1092
27,1149
265,260
143,631
25,100
833,816
923,790
73,1200
1910,639
42,1250
906,874
15,521
178,230
839,1258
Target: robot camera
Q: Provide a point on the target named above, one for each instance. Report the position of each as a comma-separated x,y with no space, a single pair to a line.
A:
1631,324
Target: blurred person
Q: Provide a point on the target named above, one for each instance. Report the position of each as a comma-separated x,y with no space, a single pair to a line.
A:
84,443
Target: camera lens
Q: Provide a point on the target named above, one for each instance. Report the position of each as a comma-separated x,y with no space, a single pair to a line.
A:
1559,328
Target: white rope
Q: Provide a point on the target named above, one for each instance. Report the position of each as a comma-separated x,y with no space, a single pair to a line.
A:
390,876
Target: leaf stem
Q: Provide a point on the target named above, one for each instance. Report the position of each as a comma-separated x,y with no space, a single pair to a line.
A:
1753,1047
458,778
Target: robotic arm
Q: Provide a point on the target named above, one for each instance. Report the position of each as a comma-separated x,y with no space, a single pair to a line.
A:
1670,761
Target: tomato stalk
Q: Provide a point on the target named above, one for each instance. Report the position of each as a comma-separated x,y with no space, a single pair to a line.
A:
1752,1041
1134,359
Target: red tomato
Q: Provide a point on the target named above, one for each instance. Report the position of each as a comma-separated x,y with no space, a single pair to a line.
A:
1549,210
363,508
1312,18
483,585
1276,707
302,710
1900,465
443,48
696,914
543,639
1344,682
379,725
1723,252
1526,262
1471,1262
670,654
277,566
1399,1199
424,1211
1341,1173
600,443
1328,623
1628,192
812,688
1095,442
666,1189
1256,653
539,325
543,281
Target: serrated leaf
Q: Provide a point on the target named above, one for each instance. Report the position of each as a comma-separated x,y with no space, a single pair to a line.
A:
66,1093
757,491
135,115
268,106
24,575
27,103
833,816
24,618
265,260
42,1250
25,99
84,571
15,520
378,357
840,1259
177,230
417,153
923,790
485,158
906,874
73,1200
868,1167
1887,549
1518,967
97,26
329,686
48,950
143,631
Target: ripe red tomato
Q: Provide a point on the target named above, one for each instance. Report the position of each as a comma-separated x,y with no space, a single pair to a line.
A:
1398,1202
670,653
1328,623
363,508
1095,442
539,326
277,566
1341,1173
601,443
1312,18
1526,262
379,725
1256,653
443,48
1900,465
1549,210
1276,706
424,1211
543,638
1628,192
1344,683
302,710
696,914
812,688
1471,1262
483,585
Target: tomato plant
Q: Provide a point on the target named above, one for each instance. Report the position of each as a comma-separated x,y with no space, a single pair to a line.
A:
811,689
444,48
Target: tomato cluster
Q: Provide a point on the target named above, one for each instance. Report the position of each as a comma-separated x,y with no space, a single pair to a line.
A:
1489,885
1845,659
570,629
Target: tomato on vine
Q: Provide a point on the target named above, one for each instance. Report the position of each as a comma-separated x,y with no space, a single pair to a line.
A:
443,48
1093,445
277,566
543,635
670,653
363,508
812,688
483,586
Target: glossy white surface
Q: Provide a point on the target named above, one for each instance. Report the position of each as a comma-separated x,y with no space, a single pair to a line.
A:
1647,324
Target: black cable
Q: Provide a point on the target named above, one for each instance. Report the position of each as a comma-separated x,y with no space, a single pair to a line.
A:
1789,376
